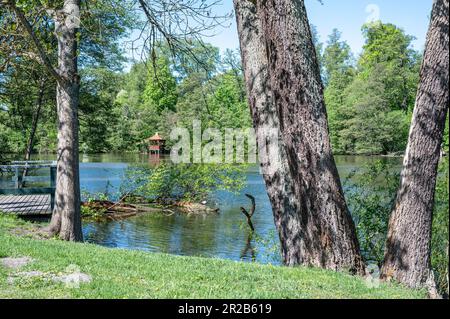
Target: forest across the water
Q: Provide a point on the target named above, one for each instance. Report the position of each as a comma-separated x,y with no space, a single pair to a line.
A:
120,109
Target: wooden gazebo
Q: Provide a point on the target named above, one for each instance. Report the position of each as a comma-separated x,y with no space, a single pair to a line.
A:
156,144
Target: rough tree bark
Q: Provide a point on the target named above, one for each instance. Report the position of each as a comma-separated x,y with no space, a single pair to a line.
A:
408,248
286,93
66,218
276,175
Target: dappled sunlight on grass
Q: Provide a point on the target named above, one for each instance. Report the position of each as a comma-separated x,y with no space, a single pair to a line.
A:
118,273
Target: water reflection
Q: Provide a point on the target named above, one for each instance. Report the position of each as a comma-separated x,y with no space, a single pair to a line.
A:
223,235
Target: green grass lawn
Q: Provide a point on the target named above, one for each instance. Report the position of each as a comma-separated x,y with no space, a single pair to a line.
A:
120,273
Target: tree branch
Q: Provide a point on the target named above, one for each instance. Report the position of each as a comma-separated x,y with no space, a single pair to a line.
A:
26,24
252,211
178,23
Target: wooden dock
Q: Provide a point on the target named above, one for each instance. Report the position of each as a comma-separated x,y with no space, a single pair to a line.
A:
25,204
23,200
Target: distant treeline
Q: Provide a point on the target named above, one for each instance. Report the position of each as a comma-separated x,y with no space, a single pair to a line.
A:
369,98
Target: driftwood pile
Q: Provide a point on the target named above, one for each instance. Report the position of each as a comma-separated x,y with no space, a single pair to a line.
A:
110,210
123,208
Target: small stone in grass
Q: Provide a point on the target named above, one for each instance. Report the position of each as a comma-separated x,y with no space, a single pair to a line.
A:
25,274
73,279
15,263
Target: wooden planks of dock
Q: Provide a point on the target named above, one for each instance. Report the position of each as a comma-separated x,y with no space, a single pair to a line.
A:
25,204
22,199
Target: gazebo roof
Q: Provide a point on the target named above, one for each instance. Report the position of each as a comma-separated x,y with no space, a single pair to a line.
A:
156,137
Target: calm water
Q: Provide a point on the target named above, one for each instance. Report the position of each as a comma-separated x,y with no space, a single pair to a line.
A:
223,235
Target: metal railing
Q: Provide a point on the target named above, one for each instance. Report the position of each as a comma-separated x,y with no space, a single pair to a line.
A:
18,167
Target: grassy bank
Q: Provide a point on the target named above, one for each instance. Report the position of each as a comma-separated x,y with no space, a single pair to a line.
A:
131,274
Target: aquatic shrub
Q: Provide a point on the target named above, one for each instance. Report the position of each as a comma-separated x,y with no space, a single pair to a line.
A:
169,183
90,197
91,211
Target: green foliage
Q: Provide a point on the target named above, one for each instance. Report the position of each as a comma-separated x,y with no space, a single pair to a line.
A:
389,46
317,45
93,211
338,73
270,246
119,111
369,107
440,237
124,134
175,94
47,137
166,182
370,195
89,212
3,140
160,90
90,197
103,25
337,60
385,43
196,58
97,94
366,124
11,141
227,104
219,103
22,88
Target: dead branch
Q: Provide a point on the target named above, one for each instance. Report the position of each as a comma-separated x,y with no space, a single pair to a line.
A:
178,23
252,211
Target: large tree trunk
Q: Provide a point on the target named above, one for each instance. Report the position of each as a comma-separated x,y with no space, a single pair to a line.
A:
279,182
66,219
310,212
408,247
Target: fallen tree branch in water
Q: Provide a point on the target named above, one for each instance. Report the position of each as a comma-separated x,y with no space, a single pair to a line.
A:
252,211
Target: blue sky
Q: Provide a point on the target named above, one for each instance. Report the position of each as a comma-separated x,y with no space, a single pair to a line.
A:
348,16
